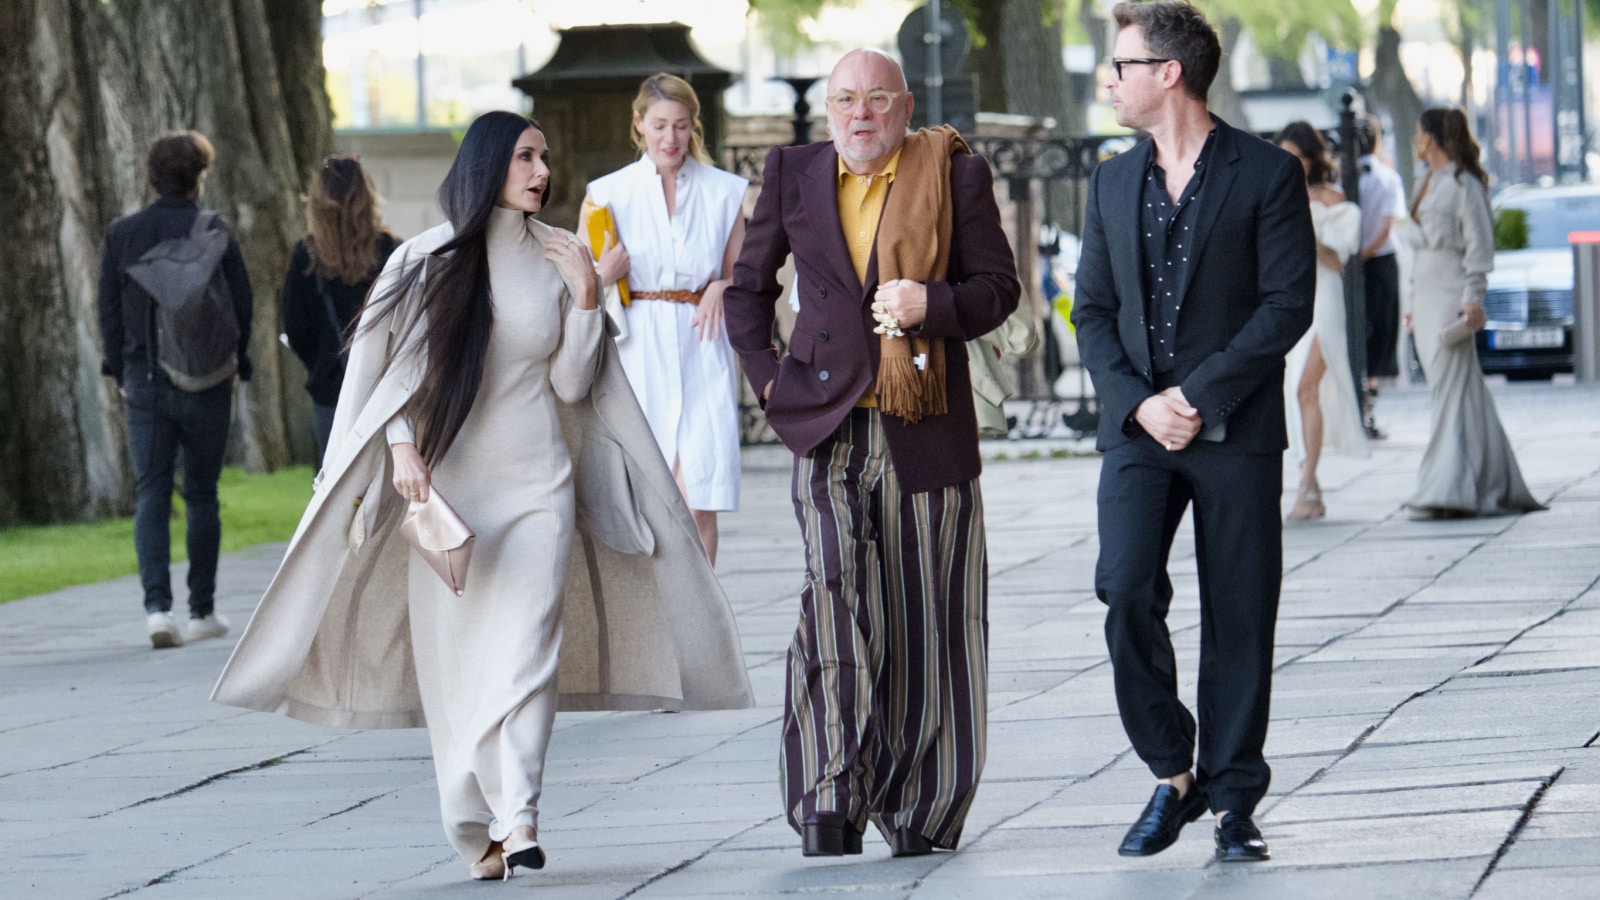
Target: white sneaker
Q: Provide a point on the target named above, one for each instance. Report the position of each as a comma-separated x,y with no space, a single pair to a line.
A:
163,631
214,625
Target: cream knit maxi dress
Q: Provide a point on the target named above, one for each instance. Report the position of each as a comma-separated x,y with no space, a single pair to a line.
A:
486,661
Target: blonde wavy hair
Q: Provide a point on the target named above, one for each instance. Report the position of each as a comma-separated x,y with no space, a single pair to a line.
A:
343,224
662,86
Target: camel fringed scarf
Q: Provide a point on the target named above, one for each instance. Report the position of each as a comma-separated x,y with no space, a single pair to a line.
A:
909,248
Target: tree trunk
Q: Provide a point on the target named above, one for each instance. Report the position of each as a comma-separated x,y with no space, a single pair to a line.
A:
1391,92
1223,99
297,49
1036,79
42,434
85,87
1285,74
988,62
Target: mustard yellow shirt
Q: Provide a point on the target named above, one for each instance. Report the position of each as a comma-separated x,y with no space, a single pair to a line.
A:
860,207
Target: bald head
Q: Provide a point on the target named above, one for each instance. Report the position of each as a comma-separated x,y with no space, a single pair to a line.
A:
865,137
871,63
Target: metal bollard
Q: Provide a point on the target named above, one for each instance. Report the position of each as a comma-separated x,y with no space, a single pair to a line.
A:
1586,303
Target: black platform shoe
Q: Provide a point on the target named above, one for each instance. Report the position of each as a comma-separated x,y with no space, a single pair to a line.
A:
823,839
909,842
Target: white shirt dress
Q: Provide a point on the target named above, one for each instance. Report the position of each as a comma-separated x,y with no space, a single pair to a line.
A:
687,387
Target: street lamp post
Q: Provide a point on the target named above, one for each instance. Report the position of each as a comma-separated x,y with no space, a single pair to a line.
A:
935,79
1355,289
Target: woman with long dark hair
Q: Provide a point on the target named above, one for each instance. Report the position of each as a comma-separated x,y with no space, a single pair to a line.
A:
330,272
470,375
1320,394
1468,468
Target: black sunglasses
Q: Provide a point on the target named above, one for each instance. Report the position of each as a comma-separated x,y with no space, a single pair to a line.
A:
328,161
1117,63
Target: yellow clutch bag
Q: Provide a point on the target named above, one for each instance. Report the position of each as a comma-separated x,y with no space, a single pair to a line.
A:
600,222
441,538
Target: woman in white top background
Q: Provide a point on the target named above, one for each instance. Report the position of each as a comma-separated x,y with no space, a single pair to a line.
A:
1321,399
680,224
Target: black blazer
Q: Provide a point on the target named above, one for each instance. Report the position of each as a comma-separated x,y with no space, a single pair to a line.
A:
1247,301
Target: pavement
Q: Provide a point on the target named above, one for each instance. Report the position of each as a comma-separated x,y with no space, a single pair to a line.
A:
1434,728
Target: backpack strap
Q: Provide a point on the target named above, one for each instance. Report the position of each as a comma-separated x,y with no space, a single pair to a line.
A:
204,222
333,319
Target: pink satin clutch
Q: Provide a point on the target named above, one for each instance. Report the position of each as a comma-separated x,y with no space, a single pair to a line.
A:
441,538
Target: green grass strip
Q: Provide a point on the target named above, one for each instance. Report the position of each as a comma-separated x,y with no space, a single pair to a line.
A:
256,509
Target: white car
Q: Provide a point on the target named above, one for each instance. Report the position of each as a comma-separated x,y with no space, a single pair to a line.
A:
1529,301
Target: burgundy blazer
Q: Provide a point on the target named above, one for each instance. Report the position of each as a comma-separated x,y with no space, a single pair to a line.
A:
833,353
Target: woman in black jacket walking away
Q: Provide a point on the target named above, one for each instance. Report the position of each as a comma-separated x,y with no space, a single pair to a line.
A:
333,267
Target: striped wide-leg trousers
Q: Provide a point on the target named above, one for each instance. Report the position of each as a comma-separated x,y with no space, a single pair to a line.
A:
888,674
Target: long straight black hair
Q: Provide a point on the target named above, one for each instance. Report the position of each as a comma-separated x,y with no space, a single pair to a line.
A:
454,310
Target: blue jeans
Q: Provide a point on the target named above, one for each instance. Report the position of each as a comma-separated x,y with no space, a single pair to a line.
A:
162,420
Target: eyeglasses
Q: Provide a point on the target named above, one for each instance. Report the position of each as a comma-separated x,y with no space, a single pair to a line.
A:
878,101
1117,63
328,161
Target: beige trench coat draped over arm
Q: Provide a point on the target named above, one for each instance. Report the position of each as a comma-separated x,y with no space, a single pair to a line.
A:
647,623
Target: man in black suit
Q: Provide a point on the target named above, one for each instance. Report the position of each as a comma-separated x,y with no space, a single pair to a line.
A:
1196,277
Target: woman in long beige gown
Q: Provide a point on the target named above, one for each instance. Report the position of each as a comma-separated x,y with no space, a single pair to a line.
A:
1468,468
487,660
482,371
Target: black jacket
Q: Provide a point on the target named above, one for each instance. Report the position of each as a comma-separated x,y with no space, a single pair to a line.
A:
1247,300
305,318
127,315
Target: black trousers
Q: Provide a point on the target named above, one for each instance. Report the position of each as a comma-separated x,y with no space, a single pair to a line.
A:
1144,491
1382,277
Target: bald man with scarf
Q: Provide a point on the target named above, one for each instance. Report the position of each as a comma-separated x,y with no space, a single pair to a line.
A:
887,673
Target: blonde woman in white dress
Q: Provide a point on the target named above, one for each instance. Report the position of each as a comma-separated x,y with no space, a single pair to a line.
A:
680,222
1320,394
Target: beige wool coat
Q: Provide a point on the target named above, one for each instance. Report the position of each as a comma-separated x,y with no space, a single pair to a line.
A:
647,625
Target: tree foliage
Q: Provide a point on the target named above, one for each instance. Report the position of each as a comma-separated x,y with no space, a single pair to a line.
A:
1279,28
784,22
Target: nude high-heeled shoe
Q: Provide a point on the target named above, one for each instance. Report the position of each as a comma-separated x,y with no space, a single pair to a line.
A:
522,849
493,865
1308,503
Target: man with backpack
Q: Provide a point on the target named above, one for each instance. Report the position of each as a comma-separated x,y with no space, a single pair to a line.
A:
175,310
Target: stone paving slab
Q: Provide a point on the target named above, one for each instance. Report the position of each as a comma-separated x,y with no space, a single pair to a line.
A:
1436,729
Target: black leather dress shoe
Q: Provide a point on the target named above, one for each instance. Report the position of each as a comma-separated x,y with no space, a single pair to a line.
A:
1163,817
1239,840
822,839
909,842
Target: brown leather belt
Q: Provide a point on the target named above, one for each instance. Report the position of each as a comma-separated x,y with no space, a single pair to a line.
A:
675,296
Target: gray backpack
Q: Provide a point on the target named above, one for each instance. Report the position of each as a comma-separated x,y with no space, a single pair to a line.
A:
197,330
